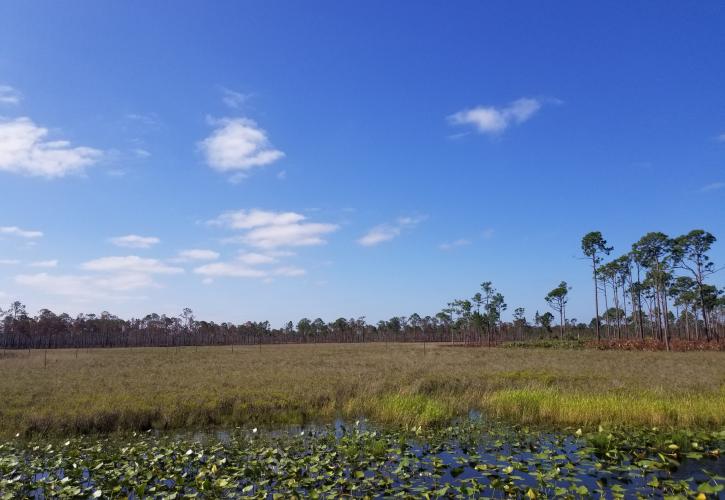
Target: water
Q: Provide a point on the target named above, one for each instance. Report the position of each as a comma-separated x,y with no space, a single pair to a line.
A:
470,458
531,455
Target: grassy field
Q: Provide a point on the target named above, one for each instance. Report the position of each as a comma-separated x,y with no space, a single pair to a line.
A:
124,389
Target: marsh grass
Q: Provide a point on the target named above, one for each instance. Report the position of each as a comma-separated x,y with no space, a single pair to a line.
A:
135,389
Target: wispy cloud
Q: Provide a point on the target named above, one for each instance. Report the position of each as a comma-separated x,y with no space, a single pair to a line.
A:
109,278
713,186
83,288
147,119
44,263
251,265
270,234
294,235
141,153
21,233
386,232
9,262
247,219
242,270
130,264
721,137
234,99
269,229
488,233
135,241
254,258
495,120
196,254
25,150
238,145
229,270
454,244
9,95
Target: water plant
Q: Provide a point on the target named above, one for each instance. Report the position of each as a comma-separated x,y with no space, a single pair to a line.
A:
471,458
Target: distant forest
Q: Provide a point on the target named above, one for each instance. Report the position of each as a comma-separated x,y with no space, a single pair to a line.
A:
660,290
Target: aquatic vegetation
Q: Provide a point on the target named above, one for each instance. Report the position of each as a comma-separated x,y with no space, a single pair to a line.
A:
460,461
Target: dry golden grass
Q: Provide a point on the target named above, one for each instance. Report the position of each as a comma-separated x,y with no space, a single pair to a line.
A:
117,389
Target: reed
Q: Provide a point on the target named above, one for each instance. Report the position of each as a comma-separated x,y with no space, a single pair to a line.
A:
134,389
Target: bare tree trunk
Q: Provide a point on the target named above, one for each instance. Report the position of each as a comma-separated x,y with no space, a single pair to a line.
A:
596,299
665,319
617,325
606,308
687,321
697,323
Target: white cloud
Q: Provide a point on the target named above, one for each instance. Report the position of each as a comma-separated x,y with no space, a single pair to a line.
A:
493,120
289,271
83,288
379,234
112,278
713,186
253,259
233,99
44,263
244,270
282,175
269,232
230,269
267,229
9,95
247,219
454,244
238,145
289,235
197,254
24,150
488,233
130,264
386,232
9,262
22,233
721,137
135,241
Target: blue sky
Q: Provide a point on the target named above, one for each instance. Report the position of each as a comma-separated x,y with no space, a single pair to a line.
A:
273,160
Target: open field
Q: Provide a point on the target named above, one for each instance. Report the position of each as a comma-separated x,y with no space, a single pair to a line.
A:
131,389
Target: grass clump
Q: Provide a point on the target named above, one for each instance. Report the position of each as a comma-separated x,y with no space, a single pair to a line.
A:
547,405
409,410
546,344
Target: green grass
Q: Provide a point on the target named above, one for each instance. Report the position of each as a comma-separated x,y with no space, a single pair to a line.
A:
540,406
134,389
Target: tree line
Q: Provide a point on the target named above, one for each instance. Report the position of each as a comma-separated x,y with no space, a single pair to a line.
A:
658,290
474,321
